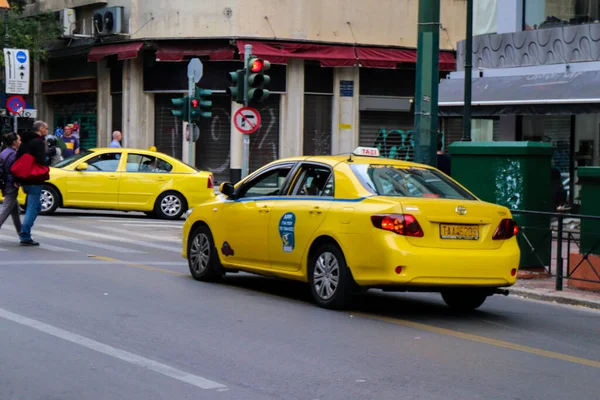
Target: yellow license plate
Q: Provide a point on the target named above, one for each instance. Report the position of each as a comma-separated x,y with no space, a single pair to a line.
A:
461,232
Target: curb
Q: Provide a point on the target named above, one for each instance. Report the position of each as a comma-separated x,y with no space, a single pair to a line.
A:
554,297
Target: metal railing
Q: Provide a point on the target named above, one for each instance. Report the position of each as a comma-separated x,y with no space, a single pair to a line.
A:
545,245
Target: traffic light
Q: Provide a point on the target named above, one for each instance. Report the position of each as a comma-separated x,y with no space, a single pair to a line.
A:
237,88
257,80
201,104
181,107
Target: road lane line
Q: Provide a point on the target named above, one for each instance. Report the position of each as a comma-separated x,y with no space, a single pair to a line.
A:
175,249
43,246
114,352
179,227
69,239
483,339
125,232
145,266
99,261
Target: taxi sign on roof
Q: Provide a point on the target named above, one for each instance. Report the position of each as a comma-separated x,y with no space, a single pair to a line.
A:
366,151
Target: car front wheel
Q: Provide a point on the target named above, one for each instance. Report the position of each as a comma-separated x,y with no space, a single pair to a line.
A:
203,259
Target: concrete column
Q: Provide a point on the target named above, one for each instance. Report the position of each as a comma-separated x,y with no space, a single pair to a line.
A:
236,147
345,127
104,121
292,111
510,16
40,102
138,107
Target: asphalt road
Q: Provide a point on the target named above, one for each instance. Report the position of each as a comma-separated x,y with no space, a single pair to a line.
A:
106,309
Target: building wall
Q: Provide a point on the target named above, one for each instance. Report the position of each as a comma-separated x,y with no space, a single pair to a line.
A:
385,22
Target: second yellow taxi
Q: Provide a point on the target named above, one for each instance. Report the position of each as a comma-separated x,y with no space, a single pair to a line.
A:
126,180
349,223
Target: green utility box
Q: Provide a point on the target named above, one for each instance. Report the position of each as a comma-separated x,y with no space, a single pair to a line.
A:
589,178
515,175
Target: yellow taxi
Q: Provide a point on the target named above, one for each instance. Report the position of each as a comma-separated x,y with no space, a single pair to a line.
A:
126,180
345,224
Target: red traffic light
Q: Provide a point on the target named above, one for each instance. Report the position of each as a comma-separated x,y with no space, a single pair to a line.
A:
257,65
195,103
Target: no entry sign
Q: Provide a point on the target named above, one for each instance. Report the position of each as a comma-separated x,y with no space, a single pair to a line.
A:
246,120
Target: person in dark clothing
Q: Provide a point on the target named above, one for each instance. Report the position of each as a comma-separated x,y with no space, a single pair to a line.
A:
10,189
443,160
33,144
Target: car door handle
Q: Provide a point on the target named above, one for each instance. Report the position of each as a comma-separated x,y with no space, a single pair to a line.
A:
264,209
316,211
113,177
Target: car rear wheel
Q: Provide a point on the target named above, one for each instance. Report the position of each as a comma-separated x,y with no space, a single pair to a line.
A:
170,205
465,300
203,259
50,199
329,277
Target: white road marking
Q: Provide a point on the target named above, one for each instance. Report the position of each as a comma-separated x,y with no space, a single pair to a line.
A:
179,227
70,239
123,355
140,221
176,249
99,262
157,236
43,246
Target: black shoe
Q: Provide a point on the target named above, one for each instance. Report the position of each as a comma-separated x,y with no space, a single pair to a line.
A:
29,242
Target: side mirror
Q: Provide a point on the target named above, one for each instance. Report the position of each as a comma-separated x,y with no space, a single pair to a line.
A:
226,188
82,167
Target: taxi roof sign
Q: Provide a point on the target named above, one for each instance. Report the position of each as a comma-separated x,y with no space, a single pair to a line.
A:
366,151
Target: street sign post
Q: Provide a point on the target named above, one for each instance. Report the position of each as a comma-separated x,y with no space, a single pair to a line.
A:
16,69
195,71
247,121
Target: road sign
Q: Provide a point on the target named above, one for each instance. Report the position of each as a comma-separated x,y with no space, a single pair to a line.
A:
247,120
16,65
195,69
15,104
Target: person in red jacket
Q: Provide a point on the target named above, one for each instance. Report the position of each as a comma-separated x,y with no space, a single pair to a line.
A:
35,145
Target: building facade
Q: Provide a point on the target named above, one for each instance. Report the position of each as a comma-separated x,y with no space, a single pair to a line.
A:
342,73
536,76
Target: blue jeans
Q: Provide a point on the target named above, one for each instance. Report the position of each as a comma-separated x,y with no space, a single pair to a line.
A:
34,206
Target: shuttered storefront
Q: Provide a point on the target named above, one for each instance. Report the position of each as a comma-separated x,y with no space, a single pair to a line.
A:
78,108
264,143
451,129
555,129
391,132
168,129
318,114
213,148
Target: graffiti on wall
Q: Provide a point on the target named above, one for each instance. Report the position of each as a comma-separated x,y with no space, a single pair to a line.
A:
264,143
399,144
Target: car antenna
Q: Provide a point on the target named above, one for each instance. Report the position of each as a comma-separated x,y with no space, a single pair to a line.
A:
350,158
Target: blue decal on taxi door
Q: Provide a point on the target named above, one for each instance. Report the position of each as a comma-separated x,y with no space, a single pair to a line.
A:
286,231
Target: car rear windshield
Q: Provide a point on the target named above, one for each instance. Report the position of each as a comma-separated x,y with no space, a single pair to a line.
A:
408,181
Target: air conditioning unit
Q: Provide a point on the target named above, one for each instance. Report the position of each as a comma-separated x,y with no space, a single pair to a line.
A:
68,20
108,21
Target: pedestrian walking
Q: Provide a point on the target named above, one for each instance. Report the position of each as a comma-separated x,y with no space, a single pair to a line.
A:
10,189
34,145
117,137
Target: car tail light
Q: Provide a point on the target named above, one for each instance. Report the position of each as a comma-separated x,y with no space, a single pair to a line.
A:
402,224
507,229
211,181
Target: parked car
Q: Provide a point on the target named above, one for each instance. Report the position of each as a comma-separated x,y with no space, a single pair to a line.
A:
125,180
352,223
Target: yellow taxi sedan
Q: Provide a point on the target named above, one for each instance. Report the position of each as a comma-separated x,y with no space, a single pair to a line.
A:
345,224
125,180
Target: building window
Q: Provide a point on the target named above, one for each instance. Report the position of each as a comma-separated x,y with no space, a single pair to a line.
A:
541,14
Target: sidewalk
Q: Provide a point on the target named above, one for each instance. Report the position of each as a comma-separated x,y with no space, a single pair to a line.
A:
544,289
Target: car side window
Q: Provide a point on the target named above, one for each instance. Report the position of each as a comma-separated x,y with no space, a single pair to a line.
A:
108,162
269,183
149,164
314,181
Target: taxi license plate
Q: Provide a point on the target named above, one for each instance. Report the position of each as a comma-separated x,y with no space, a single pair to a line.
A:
461,232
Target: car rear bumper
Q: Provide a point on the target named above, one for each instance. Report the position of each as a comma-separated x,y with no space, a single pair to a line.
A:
432,267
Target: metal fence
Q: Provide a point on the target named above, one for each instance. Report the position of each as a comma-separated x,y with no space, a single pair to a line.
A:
546,238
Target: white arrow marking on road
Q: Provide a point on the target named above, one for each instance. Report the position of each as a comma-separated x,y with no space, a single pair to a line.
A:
123,355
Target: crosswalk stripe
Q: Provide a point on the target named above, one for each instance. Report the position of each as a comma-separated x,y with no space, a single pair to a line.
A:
43,246
175,249
103,246
126,232
178,227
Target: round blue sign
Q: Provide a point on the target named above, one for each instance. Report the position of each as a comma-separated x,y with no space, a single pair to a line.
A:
21,57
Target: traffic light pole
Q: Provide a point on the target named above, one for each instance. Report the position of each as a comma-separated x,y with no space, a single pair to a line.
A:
466,136
426,97
191,86
246,138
